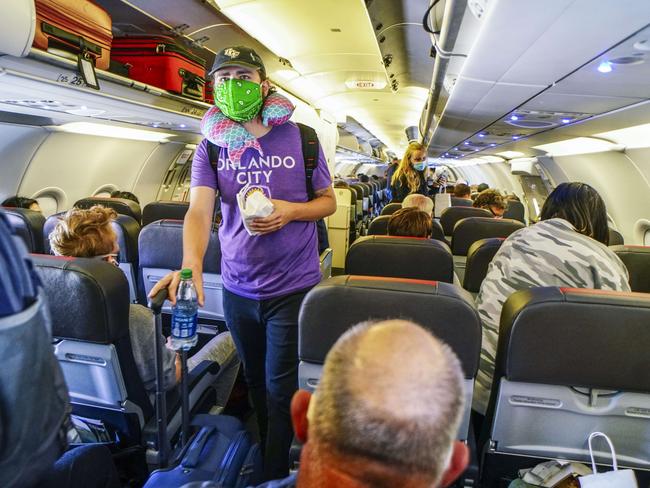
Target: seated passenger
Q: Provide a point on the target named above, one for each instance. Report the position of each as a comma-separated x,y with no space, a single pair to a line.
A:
482,187
397,430
463,191
127,195
421,202
22,202
491,200
87,233
410,222
411,174
567,248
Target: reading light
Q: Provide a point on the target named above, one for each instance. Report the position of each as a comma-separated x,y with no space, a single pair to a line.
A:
514,117
481,135
566,121
605,67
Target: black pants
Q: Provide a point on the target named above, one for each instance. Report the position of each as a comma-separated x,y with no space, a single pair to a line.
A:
266,335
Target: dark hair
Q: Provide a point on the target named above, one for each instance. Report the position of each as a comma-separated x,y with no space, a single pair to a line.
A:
341,184
580,205
489,198
462,190
482,187
410,222
127,195
19,202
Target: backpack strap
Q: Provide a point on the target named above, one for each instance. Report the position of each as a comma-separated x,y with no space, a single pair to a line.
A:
310,155
213,156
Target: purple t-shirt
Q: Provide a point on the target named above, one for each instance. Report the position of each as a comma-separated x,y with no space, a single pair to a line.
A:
275,264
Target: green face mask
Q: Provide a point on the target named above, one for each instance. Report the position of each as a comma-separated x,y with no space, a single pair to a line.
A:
239,100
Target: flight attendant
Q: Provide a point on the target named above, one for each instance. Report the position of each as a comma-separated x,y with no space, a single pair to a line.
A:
411,174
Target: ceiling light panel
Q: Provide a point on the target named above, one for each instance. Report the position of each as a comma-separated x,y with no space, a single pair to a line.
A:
577,145
630,137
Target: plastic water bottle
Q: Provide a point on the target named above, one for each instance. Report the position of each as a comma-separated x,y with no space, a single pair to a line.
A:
184,315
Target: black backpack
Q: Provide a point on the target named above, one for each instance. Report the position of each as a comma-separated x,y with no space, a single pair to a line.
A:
310,154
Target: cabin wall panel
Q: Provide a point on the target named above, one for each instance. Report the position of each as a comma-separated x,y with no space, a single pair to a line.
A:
80,164
497,175
18,143
621,184
153,171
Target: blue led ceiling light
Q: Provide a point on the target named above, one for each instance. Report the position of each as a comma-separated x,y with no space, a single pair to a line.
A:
514,117
466,143
514,138
481,135
566,121
493,145
605,67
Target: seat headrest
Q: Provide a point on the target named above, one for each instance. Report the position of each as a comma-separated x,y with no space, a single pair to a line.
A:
451,215
576,337
400,257
391,208
615,238
379,226
122,206
125,227
515,210
479,257
164,210
88,298
469,230
460,202
161,246
445,310
28,225
637,261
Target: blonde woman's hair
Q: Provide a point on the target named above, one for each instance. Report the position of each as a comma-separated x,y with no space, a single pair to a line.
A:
84,233
406,169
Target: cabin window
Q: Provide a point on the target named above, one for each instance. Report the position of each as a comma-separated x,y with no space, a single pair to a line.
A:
49,205
646,238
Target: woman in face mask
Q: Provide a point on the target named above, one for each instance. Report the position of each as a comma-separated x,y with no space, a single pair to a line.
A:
411,174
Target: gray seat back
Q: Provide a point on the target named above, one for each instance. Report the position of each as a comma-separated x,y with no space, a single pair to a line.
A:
479,257
164,209
637,262
161,251
571,362
472,229
445,310
122,206
28,225
515,210
391,208
451,215
400,257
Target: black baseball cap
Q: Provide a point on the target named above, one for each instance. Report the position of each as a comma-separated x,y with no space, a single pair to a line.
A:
238,56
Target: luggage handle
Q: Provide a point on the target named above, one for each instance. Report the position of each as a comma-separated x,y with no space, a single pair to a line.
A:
190,77
71,38
192,85
194,452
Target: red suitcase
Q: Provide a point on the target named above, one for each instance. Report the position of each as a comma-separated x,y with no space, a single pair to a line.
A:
79,26
209,92
160,61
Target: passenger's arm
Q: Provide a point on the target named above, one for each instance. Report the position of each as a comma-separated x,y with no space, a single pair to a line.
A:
322,205
196,233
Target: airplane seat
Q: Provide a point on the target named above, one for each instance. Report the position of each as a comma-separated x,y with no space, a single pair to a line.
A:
127,231
379,226
89,305
637,262
161,251
451,215
479,257
391,208
615,238
460,202
122,206
28,225
447,311
164,209
469,230
400,257
569,362
515,210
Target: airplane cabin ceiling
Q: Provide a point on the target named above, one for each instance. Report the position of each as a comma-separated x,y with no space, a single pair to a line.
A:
524,79
316,50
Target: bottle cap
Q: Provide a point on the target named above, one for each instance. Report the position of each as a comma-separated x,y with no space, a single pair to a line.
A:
186,274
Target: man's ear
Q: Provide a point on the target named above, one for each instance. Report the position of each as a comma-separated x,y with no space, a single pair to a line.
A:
266,86
299,408
457,464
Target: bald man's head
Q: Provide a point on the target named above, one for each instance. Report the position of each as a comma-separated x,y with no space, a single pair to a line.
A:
421,202
390,393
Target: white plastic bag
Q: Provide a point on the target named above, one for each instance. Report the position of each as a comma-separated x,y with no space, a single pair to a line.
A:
441,202
618,478
253,204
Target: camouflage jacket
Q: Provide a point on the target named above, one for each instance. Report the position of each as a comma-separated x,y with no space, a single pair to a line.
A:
550,253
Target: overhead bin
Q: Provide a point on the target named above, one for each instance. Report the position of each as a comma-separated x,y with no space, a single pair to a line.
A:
17,27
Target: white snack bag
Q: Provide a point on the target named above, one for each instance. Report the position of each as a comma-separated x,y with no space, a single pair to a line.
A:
618,478
253,204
